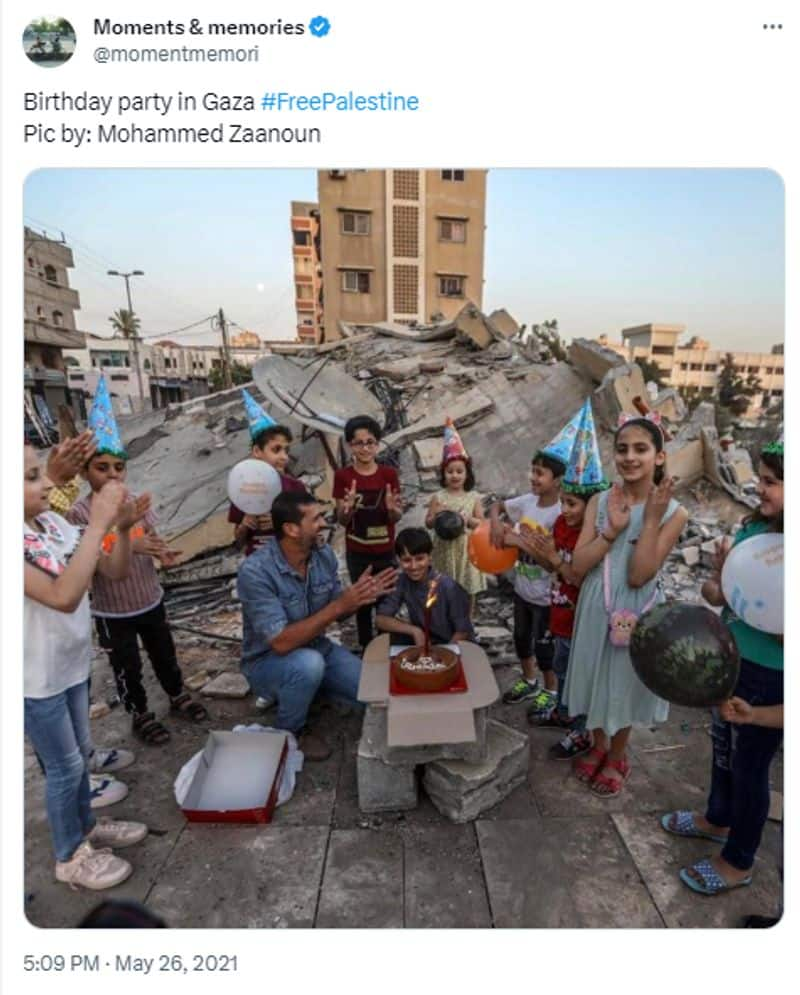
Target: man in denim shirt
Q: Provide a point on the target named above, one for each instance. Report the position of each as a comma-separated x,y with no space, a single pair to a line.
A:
290,594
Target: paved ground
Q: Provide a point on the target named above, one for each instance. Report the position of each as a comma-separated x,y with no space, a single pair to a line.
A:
551,854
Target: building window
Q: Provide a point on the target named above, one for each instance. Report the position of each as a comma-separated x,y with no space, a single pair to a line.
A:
304,291
94,361
216,364
50,275
779,372
453,175
31,262
301,237
707,391
355,223
711,367
77,377
695,366
355,281
58,318
777,393
405,233
663,350
147,364
39,312
123,377
752,369
451,286
452,231
739,369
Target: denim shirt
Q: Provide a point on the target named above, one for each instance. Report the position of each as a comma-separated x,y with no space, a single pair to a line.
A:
273,594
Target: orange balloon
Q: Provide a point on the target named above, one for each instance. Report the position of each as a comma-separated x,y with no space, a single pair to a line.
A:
486,557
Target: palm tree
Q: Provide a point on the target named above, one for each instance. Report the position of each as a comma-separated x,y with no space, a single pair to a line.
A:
125,323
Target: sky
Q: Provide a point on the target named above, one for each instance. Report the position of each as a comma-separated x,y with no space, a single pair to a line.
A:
597,250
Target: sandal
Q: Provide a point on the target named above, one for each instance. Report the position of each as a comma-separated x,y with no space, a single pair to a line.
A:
185,706
589,766
147,727
683,824
607,787
711,881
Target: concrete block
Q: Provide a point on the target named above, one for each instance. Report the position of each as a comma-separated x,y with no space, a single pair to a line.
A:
374,738
462,791
691,555
381,786
593,358
227,685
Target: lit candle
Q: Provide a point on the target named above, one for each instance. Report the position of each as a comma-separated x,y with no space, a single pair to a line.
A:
430,601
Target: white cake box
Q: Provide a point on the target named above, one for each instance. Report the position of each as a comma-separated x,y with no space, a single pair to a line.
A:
238,777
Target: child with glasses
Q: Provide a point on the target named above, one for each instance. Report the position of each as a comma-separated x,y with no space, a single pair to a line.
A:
368,504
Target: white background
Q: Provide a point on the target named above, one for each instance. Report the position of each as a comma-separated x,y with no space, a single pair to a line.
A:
558,84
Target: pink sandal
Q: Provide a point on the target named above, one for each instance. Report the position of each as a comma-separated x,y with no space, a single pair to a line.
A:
588,766
611,786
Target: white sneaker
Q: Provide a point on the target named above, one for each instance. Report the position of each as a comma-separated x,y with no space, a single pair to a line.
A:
262,704
117,834
106,790
105,761
94,869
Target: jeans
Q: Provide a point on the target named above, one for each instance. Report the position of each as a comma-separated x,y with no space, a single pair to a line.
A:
58,728
561,648
119,637
295,678
532,633
739,796
357,563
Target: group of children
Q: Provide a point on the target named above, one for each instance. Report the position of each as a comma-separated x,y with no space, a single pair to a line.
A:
589,557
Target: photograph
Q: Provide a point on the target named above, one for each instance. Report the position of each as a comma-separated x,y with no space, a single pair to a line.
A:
403,547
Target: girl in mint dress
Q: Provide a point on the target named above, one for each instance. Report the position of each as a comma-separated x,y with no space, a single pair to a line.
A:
627,534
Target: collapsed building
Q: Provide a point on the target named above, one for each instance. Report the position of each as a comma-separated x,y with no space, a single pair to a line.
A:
499,382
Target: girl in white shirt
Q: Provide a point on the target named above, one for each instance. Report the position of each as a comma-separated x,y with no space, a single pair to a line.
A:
60,561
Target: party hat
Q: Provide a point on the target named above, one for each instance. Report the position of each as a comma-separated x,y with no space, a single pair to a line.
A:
256,415
103,424
453,446
561,446
584,475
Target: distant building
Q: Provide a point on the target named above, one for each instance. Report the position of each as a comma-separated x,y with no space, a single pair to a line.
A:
49,327
695,366
307,270
403,245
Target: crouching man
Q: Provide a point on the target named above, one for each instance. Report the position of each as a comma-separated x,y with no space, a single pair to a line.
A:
290,593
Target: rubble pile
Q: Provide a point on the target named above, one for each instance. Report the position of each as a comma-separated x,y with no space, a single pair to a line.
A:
506,393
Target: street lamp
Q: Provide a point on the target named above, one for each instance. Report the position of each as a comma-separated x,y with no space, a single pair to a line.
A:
134,338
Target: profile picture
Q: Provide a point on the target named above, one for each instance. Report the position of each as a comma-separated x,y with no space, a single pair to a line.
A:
49,41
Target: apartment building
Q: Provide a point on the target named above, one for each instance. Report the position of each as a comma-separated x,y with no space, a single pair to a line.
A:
695,366
402,245
49,326
307,270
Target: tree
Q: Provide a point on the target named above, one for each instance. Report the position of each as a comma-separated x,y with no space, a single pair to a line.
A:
125,323
651,372
240,374
548,335
735,391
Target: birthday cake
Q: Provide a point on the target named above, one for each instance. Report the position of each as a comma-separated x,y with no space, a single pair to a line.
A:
435,672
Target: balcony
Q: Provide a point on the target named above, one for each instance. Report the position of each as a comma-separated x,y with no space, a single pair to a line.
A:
44,334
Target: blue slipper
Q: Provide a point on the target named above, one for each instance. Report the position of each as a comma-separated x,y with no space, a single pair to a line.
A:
712,881
685,826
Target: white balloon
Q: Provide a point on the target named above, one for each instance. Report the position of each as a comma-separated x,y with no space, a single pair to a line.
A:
752,581
253,485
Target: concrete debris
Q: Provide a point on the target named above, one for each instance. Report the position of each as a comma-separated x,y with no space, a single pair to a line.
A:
227,685
197,680
98,709
462,791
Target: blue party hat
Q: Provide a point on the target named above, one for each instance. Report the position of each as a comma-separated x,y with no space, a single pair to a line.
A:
256,415
584,474
103,424
560,447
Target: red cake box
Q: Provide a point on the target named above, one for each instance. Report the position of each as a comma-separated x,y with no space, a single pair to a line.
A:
238,777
